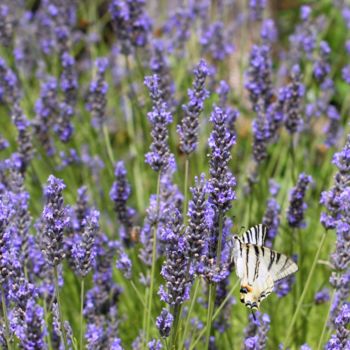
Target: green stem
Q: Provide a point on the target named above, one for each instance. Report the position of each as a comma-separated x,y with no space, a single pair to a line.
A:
186,190
306,286
211,302
108,143
153,269
7,327
81,313
216,313
57,289
212,287
193,300
292,153
177,313
47,336
326,322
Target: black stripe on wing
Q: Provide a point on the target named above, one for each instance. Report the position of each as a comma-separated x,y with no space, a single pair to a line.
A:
255,235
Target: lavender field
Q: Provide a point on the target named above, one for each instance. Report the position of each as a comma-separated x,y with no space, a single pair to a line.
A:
138,137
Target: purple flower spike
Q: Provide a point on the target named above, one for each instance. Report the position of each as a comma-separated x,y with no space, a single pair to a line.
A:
97,94
54,220
160,118
33,331
164,322
258,77
83,252
261,134
292,96
271,217
174,270
297,206
197,230
120,193
322,296
221,183
188,129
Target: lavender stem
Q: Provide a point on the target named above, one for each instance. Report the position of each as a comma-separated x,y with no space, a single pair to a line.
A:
64,336
153,268
7,327
186,190
81,313
306,286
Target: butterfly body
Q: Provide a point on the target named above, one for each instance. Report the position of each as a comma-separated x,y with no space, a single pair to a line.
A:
258,267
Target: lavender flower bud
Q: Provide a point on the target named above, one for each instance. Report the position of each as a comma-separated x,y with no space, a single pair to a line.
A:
175,268
47,109
155,345
221,183
271,218
197,230
341,338
292,96
215,42
119,193
164,322
297,206
6,25
97,94
322,296
131,23
333,129
256,8
188,129
159,117
268,31
83,252
160,67
33,331
54,220
24,138
261,135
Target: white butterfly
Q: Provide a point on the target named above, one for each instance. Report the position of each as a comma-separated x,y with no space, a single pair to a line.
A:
258,267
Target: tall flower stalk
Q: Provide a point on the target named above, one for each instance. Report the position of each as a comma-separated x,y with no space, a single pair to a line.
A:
158,158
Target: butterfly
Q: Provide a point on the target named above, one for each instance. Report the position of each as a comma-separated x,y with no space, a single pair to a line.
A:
258,267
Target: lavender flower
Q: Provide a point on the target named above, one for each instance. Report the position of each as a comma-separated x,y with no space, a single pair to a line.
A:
292,96
160,67
24,137
131,23
232,114
33,331
215,42
261,134
159,117
97,94
6,25
333,129
46,109
341,338
53,222
271,218
155,345
321,67
322,296
164,323
197,230
256,332
175,268
119,193
221,183
256,8
268,31
188,129
297,206
9,84
83,252
258,77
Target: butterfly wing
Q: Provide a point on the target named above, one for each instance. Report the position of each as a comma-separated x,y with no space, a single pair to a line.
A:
259,268
278,265
255,235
